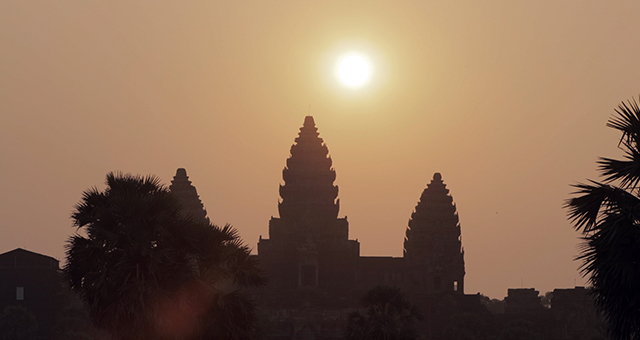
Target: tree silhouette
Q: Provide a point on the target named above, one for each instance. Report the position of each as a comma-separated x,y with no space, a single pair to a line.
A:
389,316
607,214
494,306
145,271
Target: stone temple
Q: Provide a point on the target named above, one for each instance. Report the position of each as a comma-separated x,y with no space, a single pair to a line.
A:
316,274
309,252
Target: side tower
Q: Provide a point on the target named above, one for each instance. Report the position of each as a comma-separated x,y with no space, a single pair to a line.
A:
187,195
432,248
308,245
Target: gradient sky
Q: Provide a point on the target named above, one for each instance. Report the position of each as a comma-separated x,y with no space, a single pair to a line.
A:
507,99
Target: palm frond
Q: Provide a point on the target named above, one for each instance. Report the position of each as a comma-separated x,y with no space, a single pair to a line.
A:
626,171
627,121
595,199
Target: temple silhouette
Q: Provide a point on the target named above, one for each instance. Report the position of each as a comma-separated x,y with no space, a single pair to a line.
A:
315,272
309,250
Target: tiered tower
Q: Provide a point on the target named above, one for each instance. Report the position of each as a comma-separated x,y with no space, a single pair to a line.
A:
188,196
308,192
308,245
433,249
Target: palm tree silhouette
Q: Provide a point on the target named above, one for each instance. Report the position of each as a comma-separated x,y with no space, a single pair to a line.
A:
607,214
145,271
389,316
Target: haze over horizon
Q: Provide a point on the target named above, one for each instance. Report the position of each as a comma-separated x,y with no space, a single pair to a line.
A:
507,100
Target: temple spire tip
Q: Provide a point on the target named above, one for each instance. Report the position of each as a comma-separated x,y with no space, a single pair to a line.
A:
308,121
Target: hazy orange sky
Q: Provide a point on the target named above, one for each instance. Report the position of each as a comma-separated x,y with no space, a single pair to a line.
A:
507,99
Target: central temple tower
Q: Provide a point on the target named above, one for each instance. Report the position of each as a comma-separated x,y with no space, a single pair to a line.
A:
308,193
308,245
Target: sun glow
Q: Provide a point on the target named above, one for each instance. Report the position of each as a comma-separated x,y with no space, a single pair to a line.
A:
354,70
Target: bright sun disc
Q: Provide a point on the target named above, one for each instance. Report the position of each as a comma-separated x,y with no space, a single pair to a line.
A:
354,70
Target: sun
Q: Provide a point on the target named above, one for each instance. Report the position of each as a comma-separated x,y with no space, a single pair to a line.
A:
354,70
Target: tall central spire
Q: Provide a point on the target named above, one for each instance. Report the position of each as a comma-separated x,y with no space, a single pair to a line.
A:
308,192
308,245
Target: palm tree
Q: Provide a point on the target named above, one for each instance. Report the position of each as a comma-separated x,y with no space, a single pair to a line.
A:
146,271
389,316
607,214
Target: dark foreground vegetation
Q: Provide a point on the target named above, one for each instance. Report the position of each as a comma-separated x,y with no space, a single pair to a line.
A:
607,213
145,270
387,315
